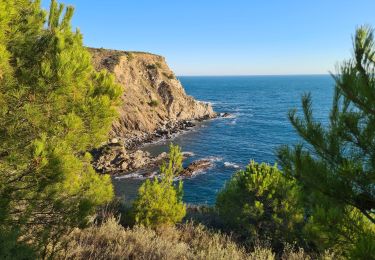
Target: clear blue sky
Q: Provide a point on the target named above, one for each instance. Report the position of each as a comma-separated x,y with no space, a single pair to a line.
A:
228,37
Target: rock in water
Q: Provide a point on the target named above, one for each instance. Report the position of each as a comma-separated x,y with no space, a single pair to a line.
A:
196,167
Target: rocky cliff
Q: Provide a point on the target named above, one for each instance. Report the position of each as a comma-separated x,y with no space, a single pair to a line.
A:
154,100
154,105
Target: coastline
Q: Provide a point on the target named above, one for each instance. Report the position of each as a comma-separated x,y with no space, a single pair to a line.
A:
126,159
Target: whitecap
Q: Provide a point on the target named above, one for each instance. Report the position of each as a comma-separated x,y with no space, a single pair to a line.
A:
213,158
196,173
129,176
231,165
207,102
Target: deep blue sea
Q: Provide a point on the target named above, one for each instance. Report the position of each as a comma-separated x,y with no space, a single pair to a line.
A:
259,124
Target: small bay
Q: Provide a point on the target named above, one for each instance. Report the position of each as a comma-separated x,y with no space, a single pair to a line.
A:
257,126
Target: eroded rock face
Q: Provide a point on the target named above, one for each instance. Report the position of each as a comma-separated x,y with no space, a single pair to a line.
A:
153,97
154,105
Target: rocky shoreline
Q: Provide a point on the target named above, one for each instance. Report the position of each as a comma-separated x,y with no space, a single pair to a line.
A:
124,157
166,131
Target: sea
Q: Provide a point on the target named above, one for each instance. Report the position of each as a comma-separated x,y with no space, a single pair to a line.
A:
258,124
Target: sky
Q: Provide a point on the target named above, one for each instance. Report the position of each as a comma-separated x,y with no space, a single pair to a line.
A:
228,37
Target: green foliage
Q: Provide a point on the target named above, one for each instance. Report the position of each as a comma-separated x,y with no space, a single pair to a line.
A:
332,226
153,103
336,167
260,203
54,107
160,201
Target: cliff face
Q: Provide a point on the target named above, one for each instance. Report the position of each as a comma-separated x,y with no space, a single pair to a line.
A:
153,99
154,105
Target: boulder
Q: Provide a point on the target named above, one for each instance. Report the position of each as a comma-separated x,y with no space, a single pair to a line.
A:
196,167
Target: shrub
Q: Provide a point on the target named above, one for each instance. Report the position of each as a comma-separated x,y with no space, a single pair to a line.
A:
160,201
187,241
153,103
111,61
169,76
151,67
260,203
130,56
112,241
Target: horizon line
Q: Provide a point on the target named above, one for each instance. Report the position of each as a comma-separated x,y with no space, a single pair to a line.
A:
253,75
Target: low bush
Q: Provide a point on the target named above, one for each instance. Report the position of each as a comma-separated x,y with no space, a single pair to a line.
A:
187,241
169,76
130,56
112,241
153,103
151,66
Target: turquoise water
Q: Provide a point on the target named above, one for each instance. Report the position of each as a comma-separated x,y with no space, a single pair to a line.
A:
259,105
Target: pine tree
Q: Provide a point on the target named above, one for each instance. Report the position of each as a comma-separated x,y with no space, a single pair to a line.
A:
260,203
336,165
159,202
54,108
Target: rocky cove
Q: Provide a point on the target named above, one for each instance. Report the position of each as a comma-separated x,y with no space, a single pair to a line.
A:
154,106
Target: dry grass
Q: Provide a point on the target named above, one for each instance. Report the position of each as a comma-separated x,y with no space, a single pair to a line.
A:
188,241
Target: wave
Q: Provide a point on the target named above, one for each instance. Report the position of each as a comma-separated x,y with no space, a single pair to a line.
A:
213,158
231,115
231,165
196,173
129,176
207,102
